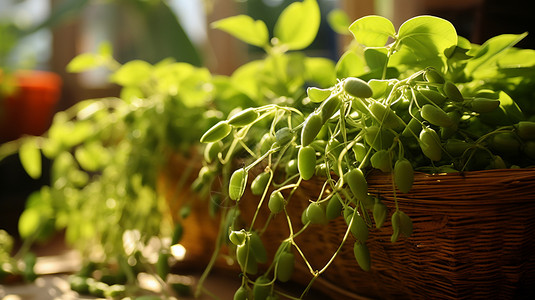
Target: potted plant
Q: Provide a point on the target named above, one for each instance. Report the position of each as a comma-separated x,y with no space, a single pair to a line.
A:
309,165
28,97
409,176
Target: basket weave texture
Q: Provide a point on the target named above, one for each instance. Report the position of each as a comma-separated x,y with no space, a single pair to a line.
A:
473,238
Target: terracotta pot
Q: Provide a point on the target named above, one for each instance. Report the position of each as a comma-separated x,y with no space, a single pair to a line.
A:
30,109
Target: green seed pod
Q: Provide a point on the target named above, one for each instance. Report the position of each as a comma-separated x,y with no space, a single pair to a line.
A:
525,130
430,96
448,132
211,151
261,288
237,237
357,87
385,116
436,116
315,213
218,132
79,284
379,213
306,162
304,217
378,138
115,291
413,127
319,145
403,175
498,163
456,147
241,294
244,117
430,144
405,224
333,149
329,107
360,151
285,266
321,170
283,136
381,160
334,208
257,247
362,255
432,75
244,255
483,105
97,288
452,92
266,142
396,226
259,184
276,202
311,128
506,144
529,149
237,184
357,183
359,229
291,168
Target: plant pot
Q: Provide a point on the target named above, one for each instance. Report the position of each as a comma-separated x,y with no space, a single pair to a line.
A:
472,238
30,109
200,229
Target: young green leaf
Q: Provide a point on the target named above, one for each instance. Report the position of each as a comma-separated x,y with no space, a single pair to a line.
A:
339,21
30,158
289,28
428,36
318,95
372,31
83,62
490,51
350,65
376,58
133,73
245,28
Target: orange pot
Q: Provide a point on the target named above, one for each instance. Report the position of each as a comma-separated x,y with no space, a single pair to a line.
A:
30,109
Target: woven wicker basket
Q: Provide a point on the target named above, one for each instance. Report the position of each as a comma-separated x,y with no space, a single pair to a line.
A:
474,237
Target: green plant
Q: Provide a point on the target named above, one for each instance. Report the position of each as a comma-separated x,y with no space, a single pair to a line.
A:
107,155
420,98
427,101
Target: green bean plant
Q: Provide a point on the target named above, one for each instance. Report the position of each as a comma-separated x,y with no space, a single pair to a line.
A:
416,99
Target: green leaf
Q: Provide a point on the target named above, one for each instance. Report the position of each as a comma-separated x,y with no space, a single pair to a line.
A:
29,222
245,28
133,73
406,58
298,24
428,36
490,51
350,65
83,62
105,49
372,31
320,70
317,95
339,21
30,158
376,58
245,78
